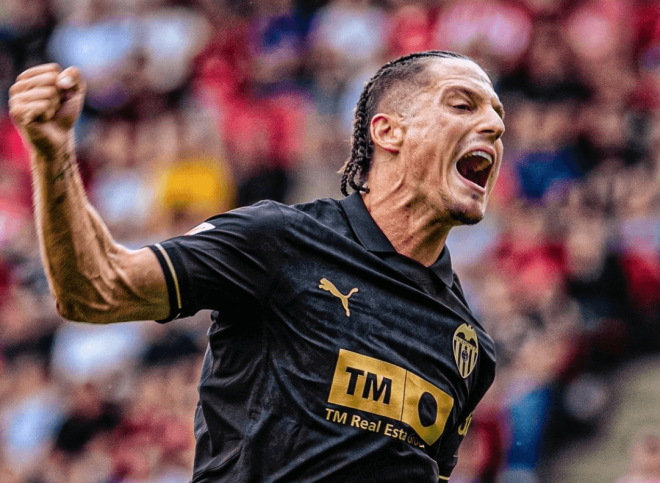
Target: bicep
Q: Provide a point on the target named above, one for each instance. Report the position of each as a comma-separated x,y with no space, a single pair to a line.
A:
137,291
146,297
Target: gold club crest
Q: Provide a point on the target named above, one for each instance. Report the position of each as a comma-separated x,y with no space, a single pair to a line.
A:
466,349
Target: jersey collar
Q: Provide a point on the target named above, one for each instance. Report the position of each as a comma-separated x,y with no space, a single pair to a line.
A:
373,239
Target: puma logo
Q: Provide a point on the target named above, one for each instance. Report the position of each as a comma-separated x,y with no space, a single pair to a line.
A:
328,286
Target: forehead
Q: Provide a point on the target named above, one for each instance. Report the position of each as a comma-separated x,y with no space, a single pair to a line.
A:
463,73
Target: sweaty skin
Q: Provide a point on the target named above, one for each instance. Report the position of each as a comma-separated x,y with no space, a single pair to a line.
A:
93,278
416,194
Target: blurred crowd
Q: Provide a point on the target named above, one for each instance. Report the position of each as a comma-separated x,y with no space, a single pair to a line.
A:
196,107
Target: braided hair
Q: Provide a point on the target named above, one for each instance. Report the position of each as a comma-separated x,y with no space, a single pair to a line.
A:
403,69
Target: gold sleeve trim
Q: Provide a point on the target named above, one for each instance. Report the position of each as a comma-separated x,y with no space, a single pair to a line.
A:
174,277
443,478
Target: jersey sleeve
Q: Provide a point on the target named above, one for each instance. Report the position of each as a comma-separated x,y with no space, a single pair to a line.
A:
233,256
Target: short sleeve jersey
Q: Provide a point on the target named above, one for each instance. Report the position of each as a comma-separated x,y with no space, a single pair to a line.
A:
331,357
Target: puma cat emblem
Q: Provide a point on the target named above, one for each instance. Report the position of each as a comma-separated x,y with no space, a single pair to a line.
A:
328,286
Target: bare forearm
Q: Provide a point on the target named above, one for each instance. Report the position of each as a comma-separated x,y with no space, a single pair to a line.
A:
93,278
86,269
73,240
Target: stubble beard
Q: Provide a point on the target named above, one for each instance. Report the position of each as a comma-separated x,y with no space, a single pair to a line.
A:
461,214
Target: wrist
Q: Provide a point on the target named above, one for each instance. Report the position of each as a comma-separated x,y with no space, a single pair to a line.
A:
53,154
52,148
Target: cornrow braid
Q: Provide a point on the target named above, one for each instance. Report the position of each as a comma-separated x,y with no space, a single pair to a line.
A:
403,69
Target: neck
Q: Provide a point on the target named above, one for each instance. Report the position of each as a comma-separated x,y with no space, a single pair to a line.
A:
410,225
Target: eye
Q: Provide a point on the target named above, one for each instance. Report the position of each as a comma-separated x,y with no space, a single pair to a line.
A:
463,106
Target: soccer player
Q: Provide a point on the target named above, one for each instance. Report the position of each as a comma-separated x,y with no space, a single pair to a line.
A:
341,346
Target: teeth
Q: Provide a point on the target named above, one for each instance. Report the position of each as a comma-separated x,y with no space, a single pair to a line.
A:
483,154
485,159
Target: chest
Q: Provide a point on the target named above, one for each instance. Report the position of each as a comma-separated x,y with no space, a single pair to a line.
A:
378,342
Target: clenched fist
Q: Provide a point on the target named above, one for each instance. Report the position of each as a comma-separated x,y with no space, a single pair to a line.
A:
45,102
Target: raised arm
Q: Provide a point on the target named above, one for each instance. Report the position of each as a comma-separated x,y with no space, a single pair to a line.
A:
93,278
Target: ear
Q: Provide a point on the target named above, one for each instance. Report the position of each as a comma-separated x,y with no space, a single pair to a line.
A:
387,132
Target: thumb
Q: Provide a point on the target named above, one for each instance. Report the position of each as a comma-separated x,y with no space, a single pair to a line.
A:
71,87
65,83
70,79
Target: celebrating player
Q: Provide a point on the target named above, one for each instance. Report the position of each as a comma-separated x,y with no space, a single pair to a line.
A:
341,346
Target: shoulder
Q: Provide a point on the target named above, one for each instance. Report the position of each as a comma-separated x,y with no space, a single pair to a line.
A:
264,213
263,218
326,211
268,219
269,212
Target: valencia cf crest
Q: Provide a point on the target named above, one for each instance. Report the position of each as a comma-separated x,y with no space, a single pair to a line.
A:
466,349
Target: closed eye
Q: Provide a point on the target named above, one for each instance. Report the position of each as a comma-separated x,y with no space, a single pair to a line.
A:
462,107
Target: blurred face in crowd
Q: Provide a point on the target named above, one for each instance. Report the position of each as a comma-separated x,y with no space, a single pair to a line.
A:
452,148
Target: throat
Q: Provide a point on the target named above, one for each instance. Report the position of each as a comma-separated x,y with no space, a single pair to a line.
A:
411,228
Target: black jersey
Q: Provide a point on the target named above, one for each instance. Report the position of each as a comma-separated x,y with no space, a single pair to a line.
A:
331,357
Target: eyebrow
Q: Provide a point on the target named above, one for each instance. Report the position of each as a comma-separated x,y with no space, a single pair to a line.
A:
498,107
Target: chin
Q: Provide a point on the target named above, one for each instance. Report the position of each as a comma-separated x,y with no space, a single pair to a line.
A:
463,218
464,215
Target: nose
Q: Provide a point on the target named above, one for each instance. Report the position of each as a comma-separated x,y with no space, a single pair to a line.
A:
492,125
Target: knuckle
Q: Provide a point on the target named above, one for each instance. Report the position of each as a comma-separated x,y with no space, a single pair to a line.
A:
50,92
26,73
17,101
21,86
16,114
44,79
48,78
16,88
17,98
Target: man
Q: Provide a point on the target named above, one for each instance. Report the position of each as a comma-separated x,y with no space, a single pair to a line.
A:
341,348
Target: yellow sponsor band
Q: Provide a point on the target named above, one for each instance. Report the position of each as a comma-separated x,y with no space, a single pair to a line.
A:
377,387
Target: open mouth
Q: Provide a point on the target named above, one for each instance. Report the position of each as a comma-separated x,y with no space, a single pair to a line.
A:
475,167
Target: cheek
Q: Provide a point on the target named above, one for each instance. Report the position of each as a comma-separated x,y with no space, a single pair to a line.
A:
423,152
432,147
